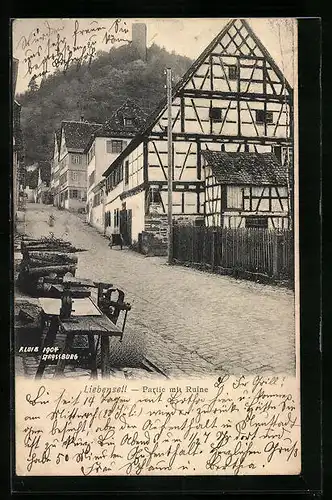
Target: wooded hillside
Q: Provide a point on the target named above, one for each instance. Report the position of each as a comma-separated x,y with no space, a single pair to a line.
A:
95,92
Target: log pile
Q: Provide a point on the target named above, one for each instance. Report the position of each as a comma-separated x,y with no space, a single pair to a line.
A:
48,244
45,258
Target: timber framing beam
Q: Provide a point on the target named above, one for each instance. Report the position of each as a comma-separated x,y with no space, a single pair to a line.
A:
224,138
188,186
242,96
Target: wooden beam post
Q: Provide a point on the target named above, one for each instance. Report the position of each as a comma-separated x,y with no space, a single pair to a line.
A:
170,165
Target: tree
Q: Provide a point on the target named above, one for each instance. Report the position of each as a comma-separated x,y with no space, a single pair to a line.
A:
33,85
97,90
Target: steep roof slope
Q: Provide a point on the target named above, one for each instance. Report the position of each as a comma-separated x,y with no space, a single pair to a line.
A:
116,125
246,168
78,133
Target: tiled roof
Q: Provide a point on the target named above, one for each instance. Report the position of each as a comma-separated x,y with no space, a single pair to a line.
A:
116,124
246,168
77,134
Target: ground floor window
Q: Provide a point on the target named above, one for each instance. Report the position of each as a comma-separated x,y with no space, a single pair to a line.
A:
257,222
108,219
74,194
116,216
97,199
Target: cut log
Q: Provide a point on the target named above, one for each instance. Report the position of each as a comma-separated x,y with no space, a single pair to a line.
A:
52,257
44,271
45,240
49,244
50,278
47,263
46,248
79,281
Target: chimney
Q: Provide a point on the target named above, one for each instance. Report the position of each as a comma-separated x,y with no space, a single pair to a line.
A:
139,39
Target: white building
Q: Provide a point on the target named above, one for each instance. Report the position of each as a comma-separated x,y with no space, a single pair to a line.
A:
104,146
69,165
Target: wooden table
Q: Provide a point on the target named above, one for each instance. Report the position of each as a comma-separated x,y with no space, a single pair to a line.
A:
86,319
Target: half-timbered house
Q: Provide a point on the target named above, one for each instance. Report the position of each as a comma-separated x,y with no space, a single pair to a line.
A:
234,99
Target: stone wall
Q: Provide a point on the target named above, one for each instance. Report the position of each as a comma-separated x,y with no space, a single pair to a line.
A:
153,240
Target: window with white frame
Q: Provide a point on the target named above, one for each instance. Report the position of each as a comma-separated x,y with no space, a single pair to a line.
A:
114,146
108,219
116,217
74,194
76,159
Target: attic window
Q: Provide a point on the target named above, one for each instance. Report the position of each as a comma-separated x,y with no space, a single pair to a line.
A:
128,122
263,116
216,114
232,72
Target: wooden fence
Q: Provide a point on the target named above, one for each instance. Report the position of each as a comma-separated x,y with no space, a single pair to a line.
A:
257,251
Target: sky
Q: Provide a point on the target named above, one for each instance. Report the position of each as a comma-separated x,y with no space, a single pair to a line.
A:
33,39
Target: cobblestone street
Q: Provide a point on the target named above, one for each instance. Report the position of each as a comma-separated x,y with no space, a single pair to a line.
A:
186,322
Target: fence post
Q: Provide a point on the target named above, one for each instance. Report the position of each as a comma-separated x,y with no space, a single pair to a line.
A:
276,254
220,247
193,243
213,250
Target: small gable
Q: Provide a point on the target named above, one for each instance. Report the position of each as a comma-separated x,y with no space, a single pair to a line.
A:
238,41
126,121
236,54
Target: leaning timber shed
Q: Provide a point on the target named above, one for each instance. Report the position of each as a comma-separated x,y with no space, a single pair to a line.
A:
233,100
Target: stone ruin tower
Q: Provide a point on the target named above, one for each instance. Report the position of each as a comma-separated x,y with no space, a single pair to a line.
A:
139,33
